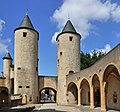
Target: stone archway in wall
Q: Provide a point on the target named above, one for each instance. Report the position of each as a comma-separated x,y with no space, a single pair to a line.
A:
72,93
96,89
85,92
4,97
112,88
48,95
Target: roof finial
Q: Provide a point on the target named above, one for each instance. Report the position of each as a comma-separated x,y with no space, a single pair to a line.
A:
26,11
68,16
7,51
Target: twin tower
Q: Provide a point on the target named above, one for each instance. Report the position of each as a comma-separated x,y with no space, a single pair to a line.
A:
26,60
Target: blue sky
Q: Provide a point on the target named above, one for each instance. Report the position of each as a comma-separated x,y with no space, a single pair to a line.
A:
98,21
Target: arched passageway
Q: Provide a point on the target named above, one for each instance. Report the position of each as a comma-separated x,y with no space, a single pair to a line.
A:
48,95
96,89
85,92
4,97
72,93
112,87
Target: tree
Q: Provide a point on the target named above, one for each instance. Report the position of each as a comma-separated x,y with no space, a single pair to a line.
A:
88,59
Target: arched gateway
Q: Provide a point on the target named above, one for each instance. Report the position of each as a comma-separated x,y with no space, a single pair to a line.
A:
85,92
48,95
72,93
4,97
111,79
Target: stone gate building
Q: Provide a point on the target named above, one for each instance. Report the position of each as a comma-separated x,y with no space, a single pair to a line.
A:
98,85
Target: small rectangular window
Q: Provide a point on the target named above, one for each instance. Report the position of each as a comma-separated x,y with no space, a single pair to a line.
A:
37,69
19,68
70,72
60,53
27,86
20,86
70,38
24,34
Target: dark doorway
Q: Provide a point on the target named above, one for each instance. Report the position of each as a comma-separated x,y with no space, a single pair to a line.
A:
4,97
47,95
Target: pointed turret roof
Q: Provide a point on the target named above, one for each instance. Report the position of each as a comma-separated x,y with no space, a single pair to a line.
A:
7,56
26,22
68,28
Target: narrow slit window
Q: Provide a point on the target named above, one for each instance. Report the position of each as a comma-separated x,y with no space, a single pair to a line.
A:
37,69
19,68
70,38
24,34
20,86
27,86
60,53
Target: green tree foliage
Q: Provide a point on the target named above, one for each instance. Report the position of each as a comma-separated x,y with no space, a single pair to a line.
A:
88,59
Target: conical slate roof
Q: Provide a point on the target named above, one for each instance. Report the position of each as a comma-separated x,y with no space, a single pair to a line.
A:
69,27
7,56
26,22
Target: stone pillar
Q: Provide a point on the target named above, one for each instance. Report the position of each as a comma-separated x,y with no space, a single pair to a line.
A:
103,102
79,97
91,97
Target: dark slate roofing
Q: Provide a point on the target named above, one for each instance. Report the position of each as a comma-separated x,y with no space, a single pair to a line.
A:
26,22
69,27
7,56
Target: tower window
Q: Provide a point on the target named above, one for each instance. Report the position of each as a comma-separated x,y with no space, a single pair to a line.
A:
27,86
60,53
19,68
20,86
70,72
24,34
37,69
70,38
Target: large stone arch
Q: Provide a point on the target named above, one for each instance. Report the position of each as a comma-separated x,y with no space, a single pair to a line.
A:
48,95
111,79
96,90
85,92
4,97
72,93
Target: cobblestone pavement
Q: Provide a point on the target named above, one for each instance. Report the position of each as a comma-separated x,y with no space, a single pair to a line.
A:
51,108
57,108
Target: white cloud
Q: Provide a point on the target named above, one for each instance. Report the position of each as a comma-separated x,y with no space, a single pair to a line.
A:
4,43
1,24
83,12
3,48
54,37
106,48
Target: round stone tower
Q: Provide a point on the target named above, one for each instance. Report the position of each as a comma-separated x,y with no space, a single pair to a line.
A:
26,60
68,58
7,62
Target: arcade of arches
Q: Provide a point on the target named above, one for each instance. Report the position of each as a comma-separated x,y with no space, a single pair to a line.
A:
99,91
